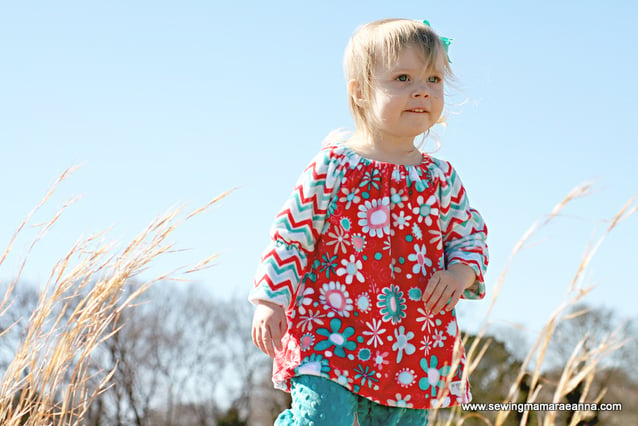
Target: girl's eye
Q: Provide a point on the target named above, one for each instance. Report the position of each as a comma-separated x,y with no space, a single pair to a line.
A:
434,79
403,77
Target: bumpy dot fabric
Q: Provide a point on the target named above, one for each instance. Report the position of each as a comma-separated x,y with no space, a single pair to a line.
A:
320,402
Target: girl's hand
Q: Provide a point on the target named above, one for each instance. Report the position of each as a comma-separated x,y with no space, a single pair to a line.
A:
445,288
269,327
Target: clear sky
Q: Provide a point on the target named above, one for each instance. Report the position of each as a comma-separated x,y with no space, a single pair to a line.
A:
165,103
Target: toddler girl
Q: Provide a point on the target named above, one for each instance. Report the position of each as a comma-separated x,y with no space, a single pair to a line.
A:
355,294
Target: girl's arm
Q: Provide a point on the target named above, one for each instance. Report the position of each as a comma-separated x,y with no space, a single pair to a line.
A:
464,233
295,232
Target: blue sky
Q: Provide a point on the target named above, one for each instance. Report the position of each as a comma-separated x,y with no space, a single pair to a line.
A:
169,103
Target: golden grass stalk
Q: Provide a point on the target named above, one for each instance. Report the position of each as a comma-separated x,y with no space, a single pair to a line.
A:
50,381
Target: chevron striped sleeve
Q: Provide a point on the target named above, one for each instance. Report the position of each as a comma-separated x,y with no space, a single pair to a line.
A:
296,230
463,228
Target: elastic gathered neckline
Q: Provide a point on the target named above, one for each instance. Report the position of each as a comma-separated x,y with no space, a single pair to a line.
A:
425,159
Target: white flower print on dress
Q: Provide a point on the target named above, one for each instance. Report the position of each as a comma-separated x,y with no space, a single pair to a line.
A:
351,269
401,401
397,197
426,345
374,217
307,321
375,332
401,220
335,298
424,211
420,257
304,300
340,239
350,196
427,318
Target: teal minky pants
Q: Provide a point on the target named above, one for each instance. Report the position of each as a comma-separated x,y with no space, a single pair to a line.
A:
321,402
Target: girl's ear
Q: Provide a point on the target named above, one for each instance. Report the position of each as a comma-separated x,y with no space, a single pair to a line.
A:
354,91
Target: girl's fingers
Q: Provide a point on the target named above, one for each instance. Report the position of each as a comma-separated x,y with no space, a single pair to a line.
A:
447,295
440,303
269,327
431,287
276,338
453,301
267,342
261,340
434,300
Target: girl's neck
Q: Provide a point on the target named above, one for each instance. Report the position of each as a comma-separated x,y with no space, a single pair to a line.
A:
379,149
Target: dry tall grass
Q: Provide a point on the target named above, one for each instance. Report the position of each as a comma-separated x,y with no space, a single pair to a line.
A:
583,363
50,380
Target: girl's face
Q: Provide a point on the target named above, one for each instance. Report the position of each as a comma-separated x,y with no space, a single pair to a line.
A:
406,98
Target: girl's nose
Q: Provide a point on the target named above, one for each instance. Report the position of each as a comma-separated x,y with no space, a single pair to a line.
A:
421,91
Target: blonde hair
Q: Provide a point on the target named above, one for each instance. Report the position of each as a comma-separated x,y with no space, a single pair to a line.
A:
381,42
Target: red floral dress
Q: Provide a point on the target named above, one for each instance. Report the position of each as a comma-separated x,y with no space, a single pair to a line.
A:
352,251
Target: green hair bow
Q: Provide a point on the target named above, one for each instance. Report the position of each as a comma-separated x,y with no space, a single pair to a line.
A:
444,40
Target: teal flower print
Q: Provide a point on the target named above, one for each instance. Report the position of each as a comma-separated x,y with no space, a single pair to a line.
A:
336,338
392,304
371,179
332,207
366,375
328,264
435,375
415,294
418,178
402,343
